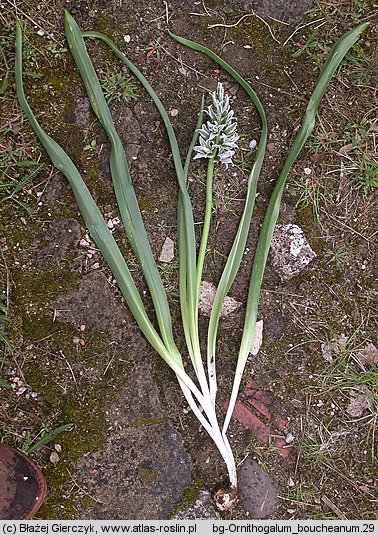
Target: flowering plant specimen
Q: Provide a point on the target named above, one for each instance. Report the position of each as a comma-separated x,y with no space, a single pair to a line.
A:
217,143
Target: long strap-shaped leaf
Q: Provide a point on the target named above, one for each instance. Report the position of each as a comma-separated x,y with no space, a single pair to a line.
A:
124,190
236,253
334,59
99,230
187,242
181,235
187,274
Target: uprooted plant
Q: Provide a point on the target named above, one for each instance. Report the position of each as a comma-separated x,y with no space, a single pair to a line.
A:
217,142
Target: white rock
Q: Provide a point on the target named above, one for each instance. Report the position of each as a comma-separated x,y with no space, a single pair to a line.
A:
202,508
167,253
289,438
368,355
258,338
290,251
207,295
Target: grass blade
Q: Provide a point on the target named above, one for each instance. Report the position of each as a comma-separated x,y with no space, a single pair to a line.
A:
46,438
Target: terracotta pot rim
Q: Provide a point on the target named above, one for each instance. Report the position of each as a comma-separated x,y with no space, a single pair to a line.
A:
37,475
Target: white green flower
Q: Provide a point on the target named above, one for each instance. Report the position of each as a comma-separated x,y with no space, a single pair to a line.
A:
218,137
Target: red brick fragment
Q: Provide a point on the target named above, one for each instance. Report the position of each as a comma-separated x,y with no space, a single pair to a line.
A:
265,405
262,402
251,422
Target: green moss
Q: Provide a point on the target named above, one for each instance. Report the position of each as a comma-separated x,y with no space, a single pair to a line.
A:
83,403
33,293
87,502
189,495
147,475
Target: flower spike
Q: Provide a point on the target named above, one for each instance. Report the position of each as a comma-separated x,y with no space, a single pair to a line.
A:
218,137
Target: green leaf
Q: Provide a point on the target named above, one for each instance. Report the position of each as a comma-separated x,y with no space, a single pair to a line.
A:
46,438
99,230
123,188
238,247
334,59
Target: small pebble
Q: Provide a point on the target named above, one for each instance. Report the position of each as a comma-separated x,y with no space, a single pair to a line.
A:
174,112
289,438
54,457
307,171
167,253
127,38
41,33
253,144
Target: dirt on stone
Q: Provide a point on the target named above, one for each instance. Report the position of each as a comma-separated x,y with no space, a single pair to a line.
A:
135,450
92,303
143,469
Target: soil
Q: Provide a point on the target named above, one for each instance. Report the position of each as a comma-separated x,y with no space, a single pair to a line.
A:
135,451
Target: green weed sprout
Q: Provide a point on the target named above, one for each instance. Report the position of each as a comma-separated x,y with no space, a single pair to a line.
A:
217,143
